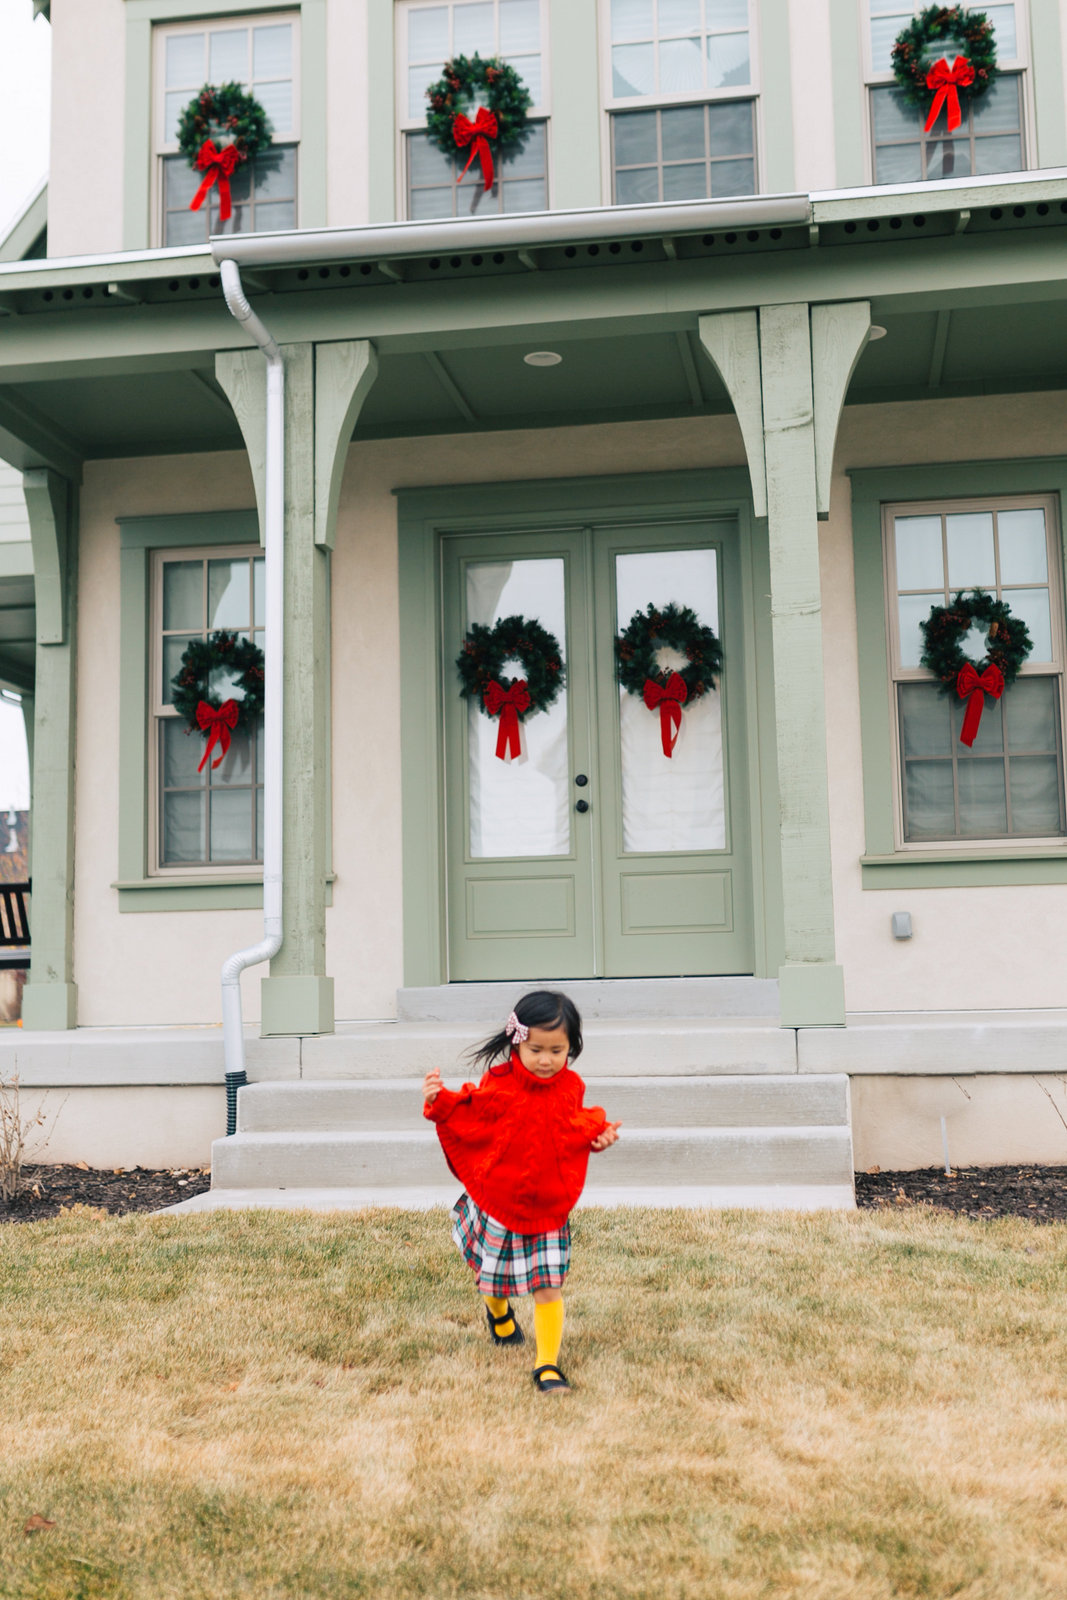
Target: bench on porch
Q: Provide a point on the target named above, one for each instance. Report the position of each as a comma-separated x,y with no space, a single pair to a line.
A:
14,927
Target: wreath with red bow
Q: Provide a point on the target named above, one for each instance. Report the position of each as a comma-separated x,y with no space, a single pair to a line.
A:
1008,644
502,101
480,664
661,688
931,76
199,705
214,112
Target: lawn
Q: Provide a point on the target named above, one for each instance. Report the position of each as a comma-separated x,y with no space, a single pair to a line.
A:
287,1407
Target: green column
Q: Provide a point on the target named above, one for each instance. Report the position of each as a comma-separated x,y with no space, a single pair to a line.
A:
50,998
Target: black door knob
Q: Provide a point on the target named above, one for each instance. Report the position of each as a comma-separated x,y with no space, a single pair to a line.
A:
581,780
581,805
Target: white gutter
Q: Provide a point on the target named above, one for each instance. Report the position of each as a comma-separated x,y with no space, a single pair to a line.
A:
233,1043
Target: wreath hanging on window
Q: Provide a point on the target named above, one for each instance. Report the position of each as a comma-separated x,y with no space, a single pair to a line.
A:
480,664
969,41
229,109
200,707
500,121
661,688
1008,644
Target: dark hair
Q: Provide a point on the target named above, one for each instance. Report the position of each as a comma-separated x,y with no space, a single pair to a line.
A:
544,1008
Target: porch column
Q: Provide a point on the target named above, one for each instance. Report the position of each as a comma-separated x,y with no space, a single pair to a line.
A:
324,388
787,372
50,998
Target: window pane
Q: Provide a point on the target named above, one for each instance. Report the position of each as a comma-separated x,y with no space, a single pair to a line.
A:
274,217
228,56
175,102
474,29
730,127
948,158
998,109
183,594
529,160
526,195
1003,20
272,51
925,726
426,162
969,536
727,14
988,740
419,80
529,70
1032,605
520,26
913,609
236,768
898,163
184,66
728,63
428,34
680,67
1002,154
637,186
633,70
631,19
427,205
1023,546
231,825
892,116
983,802
228,597
685,182
277,101
1032,715
182,751
185,227
635,138
732,177
259,569
883,31
920,561
1035,795
273,173
678,16
183,827
929,809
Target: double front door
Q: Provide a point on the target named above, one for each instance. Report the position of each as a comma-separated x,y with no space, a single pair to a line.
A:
594,853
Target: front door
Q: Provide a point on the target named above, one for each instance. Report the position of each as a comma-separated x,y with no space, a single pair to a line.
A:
593,854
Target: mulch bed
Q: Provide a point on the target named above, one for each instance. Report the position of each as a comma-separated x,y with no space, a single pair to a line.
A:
1039,1193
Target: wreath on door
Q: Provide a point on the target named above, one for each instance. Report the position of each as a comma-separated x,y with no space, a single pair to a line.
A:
661,688
1008,644
480,666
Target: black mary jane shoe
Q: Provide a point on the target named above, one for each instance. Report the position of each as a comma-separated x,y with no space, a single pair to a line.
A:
549,1379
514,1337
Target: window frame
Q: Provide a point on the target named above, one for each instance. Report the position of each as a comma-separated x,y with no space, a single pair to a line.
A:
406,124
161,149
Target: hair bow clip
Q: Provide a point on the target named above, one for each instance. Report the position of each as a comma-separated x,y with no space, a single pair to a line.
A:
516,1030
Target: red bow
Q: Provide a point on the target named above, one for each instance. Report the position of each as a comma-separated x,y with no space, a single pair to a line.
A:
217,165
977,686
669,697
220,719
508,703
477,134
946,80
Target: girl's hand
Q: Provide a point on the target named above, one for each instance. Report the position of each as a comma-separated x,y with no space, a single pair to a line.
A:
431,1086
609,1136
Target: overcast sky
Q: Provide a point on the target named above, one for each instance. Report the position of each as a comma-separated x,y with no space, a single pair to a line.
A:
25,46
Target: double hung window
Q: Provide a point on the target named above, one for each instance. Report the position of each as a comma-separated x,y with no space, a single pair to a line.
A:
430,35
990,137
203,818
261,54
680,96
1010,783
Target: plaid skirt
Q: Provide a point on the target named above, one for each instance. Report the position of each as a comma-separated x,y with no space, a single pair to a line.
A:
509,1263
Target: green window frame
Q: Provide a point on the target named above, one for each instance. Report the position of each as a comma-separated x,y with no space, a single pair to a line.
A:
885,863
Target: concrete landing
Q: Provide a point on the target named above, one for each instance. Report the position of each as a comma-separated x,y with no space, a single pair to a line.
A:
598,999
744,1197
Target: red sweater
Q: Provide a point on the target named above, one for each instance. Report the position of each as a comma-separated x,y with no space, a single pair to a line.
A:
519,1144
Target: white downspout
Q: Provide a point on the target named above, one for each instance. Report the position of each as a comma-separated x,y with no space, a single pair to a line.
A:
233,1043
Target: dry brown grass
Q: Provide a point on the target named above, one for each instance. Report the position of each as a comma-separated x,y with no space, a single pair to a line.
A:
832,1407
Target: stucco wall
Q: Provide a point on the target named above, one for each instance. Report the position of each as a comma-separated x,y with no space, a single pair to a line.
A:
85,179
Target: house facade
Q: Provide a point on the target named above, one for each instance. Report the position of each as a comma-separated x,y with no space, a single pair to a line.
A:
730,331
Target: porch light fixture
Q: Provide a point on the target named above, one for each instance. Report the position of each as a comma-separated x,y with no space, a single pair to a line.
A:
543,358
875,332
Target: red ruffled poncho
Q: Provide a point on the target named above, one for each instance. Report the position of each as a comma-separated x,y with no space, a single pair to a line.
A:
519,1144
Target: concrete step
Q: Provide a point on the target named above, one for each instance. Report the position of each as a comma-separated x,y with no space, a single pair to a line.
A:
642,1047
760,1197
656,1157
597,998
651,1102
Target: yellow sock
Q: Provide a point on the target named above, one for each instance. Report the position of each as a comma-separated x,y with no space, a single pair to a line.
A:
497,1308
548,1328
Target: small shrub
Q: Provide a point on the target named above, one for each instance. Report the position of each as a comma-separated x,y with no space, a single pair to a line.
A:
18,1143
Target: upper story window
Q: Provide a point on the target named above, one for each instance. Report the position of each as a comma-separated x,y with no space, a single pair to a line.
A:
1010,783
990,137
690,62
261,54
428,36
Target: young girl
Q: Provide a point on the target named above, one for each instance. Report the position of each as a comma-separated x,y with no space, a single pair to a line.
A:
520,1145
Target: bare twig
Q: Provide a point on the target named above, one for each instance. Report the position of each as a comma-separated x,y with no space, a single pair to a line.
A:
18,1143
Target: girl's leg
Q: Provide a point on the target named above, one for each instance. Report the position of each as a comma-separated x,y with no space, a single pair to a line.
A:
503,1330
548,1325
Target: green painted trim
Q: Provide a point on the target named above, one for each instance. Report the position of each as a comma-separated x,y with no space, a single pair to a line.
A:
27,228
811,995
776,98
1046,46
188,527
384,181
848,92
871,489
141,16
296,1003
421,744
575,178
199,894
16,559
768,905
904,873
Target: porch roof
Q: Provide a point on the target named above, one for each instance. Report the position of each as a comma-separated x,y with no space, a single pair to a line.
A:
114,355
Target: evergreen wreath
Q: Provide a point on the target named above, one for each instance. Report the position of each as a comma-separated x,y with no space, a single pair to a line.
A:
920,77
200,707
486,649
230,110
679,628
501,119
1008,644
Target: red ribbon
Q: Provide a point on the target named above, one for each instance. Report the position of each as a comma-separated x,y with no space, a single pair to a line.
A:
220,719
973,687
507,703
477,134
217,166
946,80
668,697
